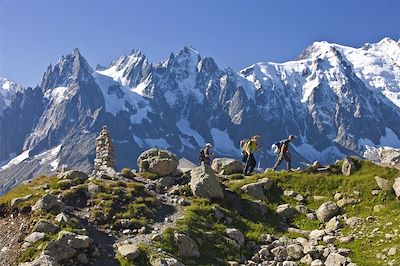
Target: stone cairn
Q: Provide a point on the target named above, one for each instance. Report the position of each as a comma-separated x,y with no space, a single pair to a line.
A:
104,153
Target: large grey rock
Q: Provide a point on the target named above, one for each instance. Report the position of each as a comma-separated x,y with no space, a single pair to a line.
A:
383,183
396,187
257,189
333,224
348,166
187,247
16,201
295,251
42,260
45,226
129,251
160,162
326,211
49,203
226,166
204,183
236,235
73,175
66,245
286,211
165,262
166,181
335,259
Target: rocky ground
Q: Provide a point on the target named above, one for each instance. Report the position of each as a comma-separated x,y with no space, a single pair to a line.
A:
344,214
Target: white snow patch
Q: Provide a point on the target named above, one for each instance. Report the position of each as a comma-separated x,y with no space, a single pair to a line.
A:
50,157
20,158
184,127
223,143
59,94
311,154
139,141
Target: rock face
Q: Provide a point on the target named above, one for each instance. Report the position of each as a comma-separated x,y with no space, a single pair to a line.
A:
49,203
187,247
204,183
226,166
383,183
326,211
45,226
396,187
129,251
160,162
104,153
348,166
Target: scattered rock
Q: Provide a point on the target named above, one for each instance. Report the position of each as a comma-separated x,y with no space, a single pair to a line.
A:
62,218
236,235
45,226
226,166
317,262
254,190
92,189
73,175
280,252
319,198
333,224
303,209
295,251
16,201
42,260
354,221
286,211
346,239
338,196
160,162
317,234
129,251
326,211
307,259
347,201
166,181
348,166
383,183
204,183
396,187
49,203
379,207
187,247
335,259
392,251
375,192
34,237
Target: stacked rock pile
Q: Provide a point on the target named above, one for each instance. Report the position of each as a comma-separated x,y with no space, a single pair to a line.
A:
104,153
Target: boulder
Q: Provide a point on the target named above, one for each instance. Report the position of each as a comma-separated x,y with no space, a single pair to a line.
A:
73,175
317,262
66,245
326,211
335,259
42,260
187,247
129,251
45,226
16,201
49,203
257,189
295,251
396,187
62,218
160,162
166,181
333,224
34,237
383,183
165,262
316,164
92,189
236,235
317,234
348,166
204,183
286,211
347,201
226,166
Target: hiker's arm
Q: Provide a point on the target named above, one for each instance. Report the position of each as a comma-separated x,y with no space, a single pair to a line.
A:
283,148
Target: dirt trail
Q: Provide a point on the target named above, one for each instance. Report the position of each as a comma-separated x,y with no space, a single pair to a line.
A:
11,230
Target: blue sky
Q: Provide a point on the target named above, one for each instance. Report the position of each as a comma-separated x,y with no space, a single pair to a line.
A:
236,33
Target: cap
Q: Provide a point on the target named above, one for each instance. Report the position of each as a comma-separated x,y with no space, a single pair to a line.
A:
209,145
291,137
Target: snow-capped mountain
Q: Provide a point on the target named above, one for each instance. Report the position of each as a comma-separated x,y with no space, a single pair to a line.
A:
338,100
8,89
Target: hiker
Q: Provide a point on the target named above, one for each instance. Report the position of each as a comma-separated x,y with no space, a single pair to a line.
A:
284,153
206,155
248,154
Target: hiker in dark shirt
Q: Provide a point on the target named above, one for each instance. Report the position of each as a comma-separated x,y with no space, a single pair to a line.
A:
284,154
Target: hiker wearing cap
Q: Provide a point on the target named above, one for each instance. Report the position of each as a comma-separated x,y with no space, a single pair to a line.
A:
206,155
284,154
250,147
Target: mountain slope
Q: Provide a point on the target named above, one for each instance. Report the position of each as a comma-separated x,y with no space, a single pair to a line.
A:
338,100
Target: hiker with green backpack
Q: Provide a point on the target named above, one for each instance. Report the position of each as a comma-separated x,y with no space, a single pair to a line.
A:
248,149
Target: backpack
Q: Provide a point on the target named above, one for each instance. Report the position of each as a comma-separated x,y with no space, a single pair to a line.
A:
276,147
202,155
243,143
